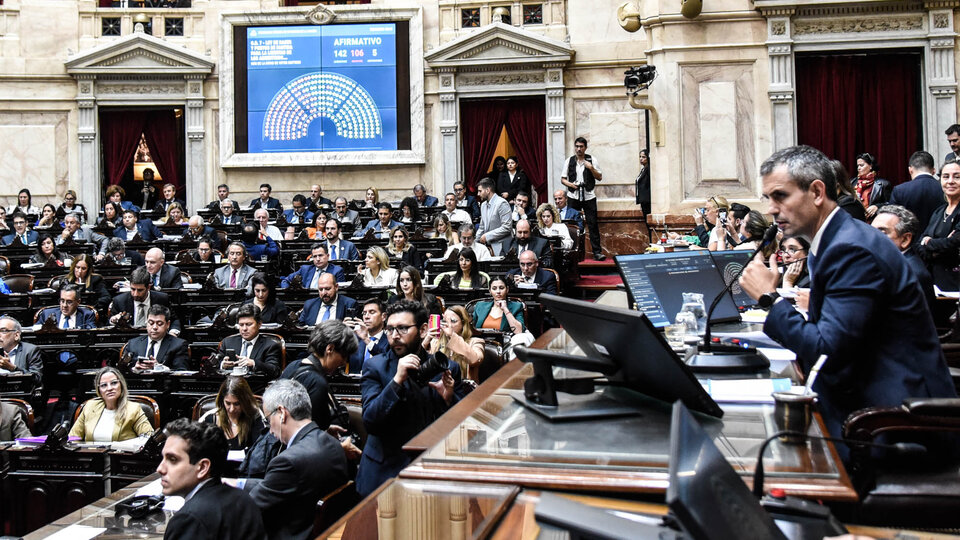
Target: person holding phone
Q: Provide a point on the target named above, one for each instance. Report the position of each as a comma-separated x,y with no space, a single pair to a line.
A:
157,348
256,352
453,335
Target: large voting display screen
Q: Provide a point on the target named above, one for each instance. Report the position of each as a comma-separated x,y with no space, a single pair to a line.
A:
330,88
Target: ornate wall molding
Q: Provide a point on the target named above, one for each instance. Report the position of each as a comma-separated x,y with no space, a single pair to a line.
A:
496,79
858,25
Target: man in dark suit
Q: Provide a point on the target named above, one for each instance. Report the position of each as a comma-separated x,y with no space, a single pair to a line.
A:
299,214
194,456
522,209
953,139
139,300
253,351
524,241
312,465
169,198
901,227
466,201
329,304
370,334
922,195
310,273
69,316
132,226
15,355
20,231
229,213
866,310
316,201
162,275
265,200
339,250
223,194
344,214
531,275
157,347
420,193
395,407
196,230
566,211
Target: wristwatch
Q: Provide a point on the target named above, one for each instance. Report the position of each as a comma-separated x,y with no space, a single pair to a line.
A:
767,299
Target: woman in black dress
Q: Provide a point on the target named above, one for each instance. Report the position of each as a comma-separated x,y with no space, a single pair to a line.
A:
237,414
871,190
846,198
264,297
939,245
410,287
513,180
400,247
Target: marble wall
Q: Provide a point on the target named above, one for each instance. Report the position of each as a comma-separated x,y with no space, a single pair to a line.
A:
35,156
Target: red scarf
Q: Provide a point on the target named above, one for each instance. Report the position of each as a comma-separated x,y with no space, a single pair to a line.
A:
865,186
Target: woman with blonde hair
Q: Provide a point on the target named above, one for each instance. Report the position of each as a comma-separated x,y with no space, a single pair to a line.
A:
548,222
376,269
110,416
175,215
456,340
71,206
236,413
371,197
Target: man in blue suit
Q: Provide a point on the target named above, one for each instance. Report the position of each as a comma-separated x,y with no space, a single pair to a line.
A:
922,195
465,201
329,304
382,224
566,212
299,213
132,226
310,273
69,316
370,334
420,193
20,231
395,407
866,311
339,250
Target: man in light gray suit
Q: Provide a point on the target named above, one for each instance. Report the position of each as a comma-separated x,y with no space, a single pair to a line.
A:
236,274
16,355
72,229
495,228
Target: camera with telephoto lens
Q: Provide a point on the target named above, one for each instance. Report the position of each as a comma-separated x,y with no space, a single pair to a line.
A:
430,368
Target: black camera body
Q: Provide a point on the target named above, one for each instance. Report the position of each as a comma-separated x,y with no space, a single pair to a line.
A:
431,367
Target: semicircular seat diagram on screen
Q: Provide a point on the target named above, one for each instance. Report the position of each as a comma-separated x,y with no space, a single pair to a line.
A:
332,96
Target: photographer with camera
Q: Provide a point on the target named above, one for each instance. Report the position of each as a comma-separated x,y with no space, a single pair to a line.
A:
404,391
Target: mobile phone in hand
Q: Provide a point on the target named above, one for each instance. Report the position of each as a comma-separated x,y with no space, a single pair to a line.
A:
434,322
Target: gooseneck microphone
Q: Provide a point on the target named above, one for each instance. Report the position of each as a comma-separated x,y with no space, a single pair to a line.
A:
727,358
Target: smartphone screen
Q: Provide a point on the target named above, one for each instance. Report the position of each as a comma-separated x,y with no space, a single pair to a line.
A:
434,322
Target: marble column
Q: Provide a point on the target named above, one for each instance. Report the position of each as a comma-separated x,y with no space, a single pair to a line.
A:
449,140
781,90
198,190
89,193
556,127
941,81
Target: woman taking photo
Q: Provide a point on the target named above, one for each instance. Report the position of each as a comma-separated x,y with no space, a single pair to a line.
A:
47,252
93,290
110,416
871,190
376,269
456,340
71,206
410,287
548,222
264,297
793,250
236,413
513,180
468,275
940,242
401,248
498,313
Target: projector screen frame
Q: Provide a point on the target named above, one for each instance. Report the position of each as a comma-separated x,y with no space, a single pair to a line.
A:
231,22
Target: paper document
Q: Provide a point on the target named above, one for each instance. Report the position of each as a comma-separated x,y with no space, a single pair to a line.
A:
745,390
77,532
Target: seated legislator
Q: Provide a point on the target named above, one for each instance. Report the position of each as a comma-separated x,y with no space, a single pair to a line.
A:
794,250
395,406
467,276
371,197
312,466
169,199
132,226
229,213
253,351
400,247
380,225
376,269
118,253
196,229
316,201
455,339
442,228
299,213
262,218
420,193
138,301
74,231
46,252
410,287
468,234
549,225
339,250
272,311
69,316
530,275
235,274
116,194
867,312
409,211
343,214
157,348
331,344
194,458
453,213
162,275
12,425
48,217
565,211
112,216
499,313
522,211
93,291
175,215
223,194
371,340
258,246
939,244
17,355
20,231
236,413
310,273
24,204
900,226
316,229
205,252
265,200
329,304
110,416
524,240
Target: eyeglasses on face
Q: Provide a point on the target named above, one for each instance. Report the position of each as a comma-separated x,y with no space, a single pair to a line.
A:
402,329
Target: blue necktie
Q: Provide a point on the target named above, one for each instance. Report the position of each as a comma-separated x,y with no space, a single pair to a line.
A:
326,313
333,252
366,351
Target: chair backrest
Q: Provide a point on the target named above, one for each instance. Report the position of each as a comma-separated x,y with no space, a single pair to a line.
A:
91,309
4,265
556,276
185,278
25,410
147,404
492,360
19,283
283,345
208,403
55,282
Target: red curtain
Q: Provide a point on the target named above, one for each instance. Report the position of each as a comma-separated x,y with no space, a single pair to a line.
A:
850,104
119,136
527,128
482,123
106,3
163,138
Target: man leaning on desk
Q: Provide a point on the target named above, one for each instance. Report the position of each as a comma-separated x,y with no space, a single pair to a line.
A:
867,312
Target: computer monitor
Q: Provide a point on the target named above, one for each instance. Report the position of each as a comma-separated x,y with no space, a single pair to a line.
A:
645,361
730,263
656,282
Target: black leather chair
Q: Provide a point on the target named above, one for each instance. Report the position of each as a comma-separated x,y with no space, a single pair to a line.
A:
148,404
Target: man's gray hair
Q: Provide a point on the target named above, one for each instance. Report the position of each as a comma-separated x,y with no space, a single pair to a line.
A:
116,244
908,222
332,332
804,165
291,395
16,323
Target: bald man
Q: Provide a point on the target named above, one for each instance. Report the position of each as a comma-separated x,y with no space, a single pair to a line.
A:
162,275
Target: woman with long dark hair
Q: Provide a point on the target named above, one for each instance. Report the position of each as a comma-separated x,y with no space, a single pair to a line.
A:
499,313
265,297
512,180
47,252
467,274
871,190
401,248
410,287
237,413
93,290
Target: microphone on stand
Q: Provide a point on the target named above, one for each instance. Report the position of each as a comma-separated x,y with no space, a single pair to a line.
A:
730,358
